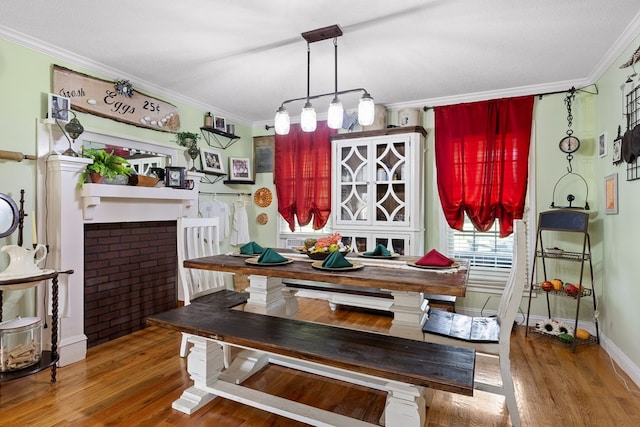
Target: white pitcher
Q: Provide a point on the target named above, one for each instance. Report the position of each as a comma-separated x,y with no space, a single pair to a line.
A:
24,261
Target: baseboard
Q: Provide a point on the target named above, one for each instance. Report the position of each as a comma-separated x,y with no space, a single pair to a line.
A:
621,359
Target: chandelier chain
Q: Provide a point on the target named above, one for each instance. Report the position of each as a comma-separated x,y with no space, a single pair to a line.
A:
567,101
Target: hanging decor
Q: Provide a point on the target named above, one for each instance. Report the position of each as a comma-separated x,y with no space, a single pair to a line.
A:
335,115
569,145
124,87
117,101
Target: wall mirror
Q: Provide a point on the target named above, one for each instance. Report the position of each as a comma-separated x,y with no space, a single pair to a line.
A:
142,156
9,215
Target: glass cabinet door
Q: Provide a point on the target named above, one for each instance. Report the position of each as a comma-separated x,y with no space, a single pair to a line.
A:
390,184
354,184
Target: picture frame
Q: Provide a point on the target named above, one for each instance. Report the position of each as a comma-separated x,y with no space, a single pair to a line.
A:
611,194
602,144
263,153
57,108
617,151
219,123
211,159
240,169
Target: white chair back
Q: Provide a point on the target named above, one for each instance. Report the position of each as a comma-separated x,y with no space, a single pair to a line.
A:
198,237
512,294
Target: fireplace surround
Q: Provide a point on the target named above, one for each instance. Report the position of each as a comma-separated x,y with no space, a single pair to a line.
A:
63,212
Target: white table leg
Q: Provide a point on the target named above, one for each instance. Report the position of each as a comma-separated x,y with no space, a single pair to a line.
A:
265,296
409,314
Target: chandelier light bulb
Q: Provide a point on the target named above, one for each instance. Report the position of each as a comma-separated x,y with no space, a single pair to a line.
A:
308,118
366,110
335,114
282,121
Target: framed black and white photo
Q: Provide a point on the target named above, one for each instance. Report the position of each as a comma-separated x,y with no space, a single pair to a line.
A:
58,107
211,160
220,123
240,169
602,144
616,156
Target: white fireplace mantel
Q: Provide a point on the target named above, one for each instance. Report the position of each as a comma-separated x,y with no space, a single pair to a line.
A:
110,203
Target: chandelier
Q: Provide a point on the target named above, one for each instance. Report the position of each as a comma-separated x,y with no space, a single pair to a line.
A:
335,114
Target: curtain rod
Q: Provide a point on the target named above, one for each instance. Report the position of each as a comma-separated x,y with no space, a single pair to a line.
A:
540,95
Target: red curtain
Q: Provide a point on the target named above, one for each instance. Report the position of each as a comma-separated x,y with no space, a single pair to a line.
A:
302,173
482,156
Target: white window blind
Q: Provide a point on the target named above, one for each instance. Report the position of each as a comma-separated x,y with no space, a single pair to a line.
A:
489,256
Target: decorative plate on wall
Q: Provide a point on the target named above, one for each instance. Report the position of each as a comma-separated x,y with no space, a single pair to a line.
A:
262,219
263,197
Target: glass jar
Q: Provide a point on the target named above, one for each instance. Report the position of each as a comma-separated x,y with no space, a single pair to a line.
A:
20,343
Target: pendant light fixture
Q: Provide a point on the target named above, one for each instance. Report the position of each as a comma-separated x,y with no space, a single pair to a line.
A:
308,121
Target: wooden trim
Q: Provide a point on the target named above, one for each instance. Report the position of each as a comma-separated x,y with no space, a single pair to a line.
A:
380,132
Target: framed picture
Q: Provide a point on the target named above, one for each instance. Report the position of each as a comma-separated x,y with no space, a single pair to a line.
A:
211,160
220,123
602,144
240,169
263,148
611,194
617,151
58,107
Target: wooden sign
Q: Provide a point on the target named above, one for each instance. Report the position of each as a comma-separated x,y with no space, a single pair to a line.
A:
97,96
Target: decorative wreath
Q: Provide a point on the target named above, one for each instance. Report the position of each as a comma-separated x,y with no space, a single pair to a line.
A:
124,87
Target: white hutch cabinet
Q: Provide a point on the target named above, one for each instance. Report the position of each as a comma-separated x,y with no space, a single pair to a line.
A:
377,189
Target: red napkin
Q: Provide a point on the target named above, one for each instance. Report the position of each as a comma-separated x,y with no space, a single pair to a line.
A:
435,259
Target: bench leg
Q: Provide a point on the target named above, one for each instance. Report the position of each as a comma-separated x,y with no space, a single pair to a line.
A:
265,296
290,301
405,406
245,364
409,314
205,364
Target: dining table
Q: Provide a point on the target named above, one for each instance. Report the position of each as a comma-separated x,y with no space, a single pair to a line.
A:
399,275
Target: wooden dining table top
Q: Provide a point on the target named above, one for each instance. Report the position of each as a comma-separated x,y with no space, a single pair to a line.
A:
395,277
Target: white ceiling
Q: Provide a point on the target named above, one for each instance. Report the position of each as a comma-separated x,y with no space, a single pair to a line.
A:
241,59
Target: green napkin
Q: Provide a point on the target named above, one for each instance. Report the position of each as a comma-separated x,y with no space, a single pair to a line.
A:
379,250
251,248
269,256
336,260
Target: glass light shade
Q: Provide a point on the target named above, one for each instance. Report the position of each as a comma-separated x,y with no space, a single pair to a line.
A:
74,128
366,110
335,114
308,118
282,121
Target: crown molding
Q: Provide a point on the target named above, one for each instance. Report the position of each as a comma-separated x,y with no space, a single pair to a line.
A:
109,72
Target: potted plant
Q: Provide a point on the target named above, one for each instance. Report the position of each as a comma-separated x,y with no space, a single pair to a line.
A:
190,140
104,164
187,139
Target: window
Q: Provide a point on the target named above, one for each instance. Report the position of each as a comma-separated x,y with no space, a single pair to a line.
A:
489,256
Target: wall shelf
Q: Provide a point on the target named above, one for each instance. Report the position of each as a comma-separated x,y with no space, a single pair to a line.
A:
217,138
211,177
238,181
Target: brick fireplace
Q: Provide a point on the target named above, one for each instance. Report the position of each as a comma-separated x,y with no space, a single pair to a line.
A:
129,273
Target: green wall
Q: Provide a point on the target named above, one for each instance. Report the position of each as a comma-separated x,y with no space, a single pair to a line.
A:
25,79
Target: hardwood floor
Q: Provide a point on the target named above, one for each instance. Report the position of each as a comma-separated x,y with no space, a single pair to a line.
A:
133,380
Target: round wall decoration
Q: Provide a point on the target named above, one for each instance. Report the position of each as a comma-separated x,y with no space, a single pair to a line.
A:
262,218
263,197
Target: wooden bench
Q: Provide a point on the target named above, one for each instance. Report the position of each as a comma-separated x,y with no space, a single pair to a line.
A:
373,298
403,368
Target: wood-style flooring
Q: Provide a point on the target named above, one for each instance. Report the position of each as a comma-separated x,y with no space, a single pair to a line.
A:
133,380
